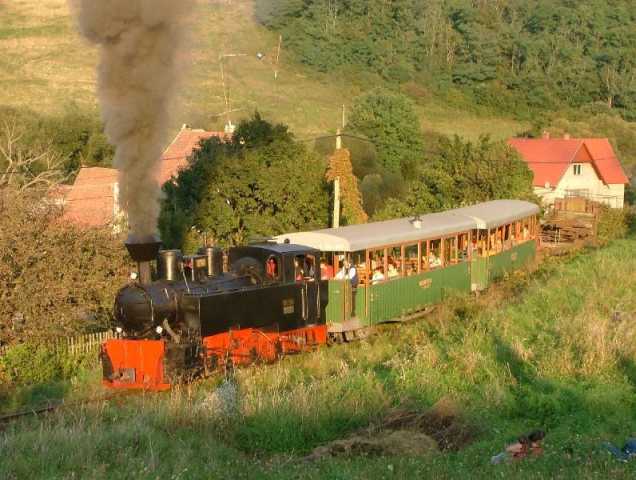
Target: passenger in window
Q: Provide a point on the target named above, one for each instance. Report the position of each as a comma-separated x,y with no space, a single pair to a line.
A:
326,270
378,276
271,268
433,260
352,274
298,270
309,269
342,272
393,271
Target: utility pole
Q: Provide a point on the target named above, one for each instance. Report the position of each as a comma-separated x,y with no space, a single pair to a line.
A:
280,41
344,118
336,188
226,89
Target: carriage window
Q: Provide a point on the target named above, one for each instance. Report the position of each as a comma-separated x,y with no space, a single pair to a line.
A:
299,262
525,233
326,267
378,273
448,253
394,263
462,253
340,272
272,270
309,267
482,242
434,254
410,260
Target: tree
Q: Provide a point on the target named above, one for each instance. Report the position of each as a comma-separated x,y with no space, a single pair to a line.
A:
340,167
260,184
463,173
503,54
389,120
23,168
55,279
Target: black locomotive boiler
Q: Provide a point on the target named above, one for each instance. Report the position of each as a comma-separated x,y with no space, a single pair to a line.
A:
190,314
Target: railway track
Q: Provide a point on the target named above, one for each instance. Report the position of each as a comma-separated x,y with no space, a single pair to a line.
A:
55,406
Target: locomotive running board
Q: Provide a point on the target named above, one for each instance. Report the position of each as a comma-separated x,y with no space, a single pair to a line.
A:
251,345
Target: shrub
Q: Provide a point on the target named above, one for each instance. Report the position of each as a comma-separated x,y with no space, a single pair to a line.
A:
28,363
55,279
37,363
612,224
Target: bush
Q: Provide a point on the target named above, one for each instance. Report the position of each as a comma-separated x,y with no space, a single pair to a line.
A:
55,280
29,364
612,224
36,363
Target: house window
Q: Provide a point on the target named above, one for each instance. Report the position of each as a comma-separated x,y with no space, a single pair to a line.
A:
577,169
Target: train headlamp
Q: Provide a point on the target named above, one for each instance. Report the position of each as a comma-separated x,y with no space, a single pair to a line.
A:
119,329
159,329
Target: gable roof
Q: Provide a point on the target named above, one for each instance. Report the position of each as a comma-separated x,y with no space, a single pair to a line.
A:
176,155
605,160
91,199
549,158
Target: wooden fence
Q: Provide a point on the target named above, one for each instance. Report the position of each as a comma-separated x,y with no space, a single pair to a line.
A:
87,343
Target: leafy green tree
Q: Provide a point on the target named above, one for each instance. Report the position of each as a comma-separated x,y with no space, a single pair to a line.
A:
503,54
390,121
462,173
260,184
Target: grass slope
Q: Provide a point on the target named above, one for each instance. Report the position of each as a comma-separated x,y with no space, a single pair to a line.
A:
44,65
553,350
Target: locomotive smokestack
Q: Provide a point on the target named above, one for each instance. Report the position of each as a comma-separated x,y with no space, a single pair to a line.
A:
143,252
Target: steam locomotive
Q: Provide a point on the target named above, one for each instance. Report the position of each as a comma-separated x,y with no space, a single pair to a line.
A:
196,315
189,314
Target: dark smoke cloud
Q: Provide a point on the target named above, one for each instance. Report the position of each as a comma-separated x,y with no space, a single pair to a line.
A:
138,71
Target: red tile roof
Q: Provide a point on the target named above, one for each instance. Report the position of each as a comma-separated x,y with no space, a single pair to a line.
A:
549,158
176,155
91,200
605,160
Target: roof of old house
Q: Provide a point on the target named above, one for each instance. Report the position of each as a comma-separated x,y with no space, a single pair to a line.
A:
549,158
90,201
176,155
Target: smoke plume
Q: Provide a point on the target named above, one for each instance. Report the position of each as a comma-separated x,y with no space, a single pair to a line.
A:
137,75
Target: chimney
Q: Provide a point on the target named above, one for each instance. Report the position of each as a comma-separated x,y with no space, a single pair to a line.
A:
546,134
566,136
143,253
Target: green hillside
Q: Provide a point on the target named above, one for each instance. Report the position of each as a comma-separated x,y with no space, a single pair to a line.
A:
45,66
515,56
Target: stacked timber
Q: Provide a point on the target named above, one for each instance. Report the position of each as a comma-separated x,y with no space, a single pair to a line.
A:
572,220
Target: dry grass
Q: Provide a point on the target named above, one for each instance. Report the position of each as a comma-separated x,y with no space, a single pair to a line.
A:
45,65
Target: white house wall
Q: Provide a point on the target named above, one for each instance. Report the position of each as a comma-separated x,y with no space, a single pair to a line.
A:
587,183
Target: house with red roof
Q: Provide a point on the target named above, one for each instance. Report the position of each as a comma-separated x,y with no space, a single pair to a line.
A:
92,200
566,167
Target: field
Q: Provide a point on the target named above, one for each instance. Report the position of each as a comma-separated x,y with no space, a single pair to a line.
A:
552,349
45,65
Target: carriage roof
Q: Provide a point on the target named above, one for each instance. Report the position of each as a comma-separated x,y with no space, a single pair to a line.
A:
369,235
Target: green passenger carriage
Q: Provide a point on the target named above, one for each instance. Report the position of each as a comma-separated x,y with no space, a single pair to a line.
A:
406,265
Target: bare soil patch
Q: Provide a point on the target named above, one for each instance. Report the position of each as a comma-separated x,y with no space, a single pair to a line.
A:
407,432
